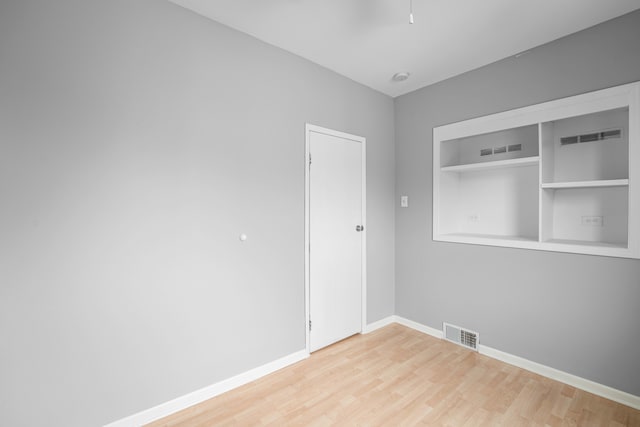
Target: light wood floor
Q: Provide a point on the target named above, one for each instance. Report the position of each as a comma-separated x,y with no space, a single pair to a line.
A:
396,376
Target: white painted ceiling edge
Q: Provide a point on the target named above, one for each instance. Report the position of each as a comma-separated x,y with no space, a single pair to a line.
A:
370,40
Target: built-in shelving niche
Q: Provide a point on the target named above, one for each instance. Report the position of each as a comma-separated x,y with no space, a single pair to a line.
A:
556,176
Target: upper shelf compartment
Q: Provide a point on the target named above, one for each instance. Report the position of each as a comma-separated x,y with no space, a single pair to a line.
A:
504,148
590,147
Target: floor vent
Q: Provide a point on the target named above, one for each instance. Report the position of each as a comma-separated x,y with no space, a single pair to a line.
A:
463,337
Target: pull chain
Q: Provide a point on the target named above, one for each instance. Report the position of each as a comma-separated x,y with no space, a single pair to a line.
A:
410,11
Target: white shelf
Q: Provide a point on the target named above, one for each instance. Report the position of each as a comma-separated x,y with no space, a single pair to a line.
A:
463,237
587,244
498,164
588,184
553,245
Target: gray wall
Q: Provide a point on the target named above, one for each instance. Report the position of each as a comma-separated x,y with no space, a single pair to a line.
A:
137,141
575,313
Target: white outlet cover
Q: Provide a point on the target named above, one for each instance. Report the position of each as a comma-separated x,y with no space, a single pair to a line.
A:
593,220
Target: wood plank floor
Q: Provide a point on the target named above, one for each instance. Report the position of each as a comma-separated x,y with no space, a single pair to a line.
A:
396,376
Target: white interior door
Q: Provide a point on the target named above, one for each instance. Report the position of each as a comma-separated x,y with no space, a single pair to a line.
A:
335,236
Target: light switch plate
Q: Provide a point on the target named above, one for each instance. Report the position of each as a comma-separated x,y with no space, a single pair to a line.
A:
404,201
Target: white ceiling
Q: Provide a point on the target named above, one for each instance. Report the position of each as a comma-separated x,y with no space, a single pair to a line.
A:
371,40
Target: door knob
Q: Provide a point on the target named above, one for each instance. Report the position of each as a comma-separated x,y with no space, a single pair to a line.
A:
359,227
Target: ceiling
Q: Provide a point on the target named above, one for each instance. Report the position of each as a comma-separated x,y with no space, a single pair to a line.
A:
370,40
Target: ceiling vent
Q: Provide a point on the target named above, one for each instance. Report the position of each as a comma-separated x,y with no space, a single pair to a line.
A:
591,137
460,336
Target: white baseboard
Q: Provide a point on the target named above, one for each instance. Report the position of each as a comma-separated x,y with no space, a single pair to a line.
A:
564,377
546,371
208,392
419,327
379,324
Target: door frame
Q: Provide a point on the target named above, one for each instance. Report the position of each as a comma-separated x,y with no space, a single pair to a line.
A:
307,213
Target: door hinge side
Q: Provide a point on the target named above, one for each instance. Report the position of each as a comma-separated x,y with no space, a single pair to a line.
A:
309,324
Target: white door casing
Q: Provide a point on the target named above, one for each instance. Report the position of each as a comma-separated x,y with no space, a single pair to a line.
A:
335,251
